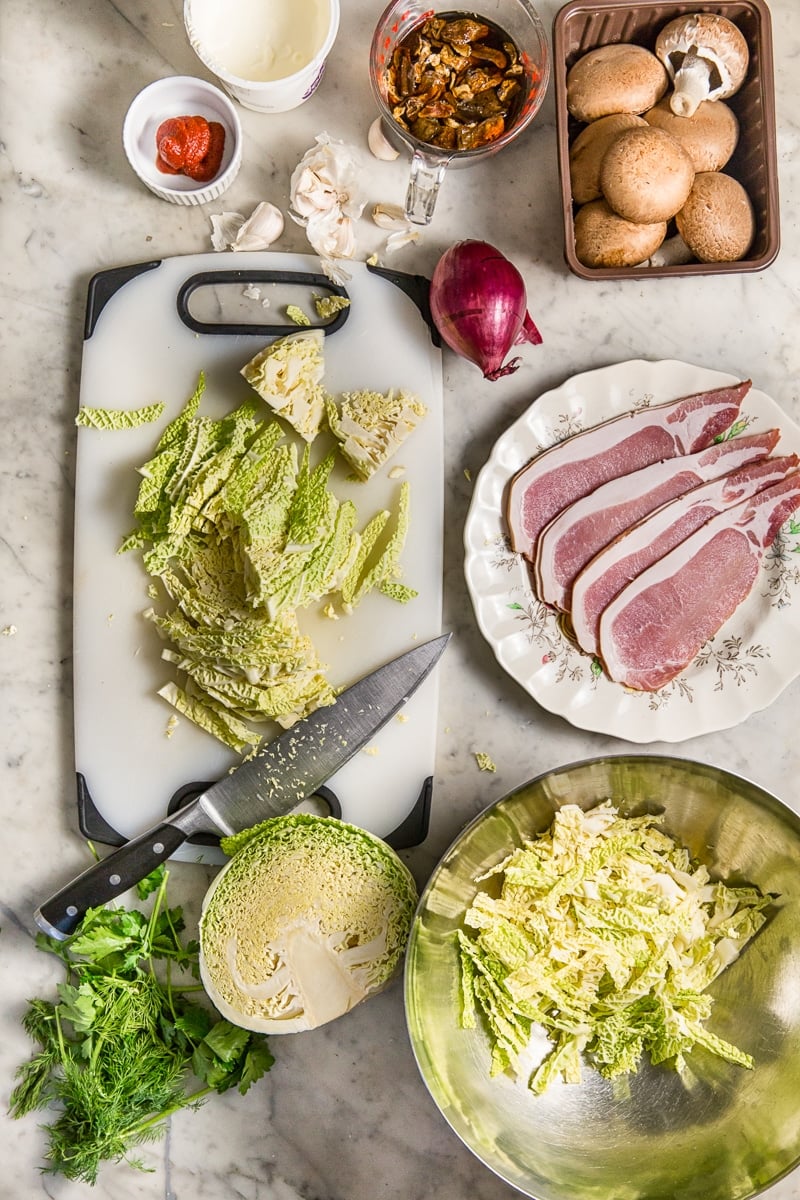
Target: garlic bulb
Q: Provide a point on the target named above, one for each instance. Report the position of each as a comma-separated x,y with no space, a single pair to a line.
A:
379,144
325,197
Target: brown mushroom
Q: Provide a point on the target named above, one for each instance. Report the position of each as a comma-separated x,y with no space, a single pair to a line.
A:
605,239
587,151
646,175
717,221
710,134
619,77
706,56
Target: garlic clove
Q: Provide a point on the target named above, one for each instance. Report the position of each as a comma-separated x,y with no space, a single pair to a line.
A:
263,227
393,218
389,216
379,144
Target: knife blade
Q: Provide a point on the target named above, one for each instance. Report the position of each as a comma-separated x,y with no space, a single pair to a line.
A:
283,773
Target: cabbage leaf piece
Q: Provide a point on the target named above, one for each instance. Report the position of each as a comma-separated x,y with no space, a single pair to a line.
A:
371,426
310,917
287,374
604,934
118,418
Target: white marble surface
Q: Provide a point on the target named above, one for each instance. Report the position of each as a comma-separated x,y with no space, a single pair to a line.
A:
343,1115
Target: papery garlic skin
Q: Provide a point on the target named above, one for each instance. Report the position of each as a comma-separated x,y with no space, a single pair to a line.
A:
333,269
263,227
224,229
400,238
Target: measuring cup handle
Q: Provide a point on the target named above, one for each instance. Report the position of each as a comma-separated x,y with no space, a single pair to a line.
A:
423,187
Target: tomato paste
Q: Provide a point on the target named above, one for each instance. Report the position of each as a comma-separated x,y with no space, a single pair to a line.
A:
190,146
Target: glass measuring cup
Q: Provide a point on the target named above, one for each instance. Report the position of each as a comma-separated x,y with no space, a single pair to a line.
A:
520,23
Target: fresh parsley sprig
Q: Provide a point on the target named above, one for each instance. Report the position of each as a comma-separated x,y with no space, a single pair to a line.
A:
118,1049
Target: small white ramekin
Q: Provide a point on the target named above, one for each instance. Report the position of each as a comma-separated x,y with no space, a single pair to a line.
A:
180,96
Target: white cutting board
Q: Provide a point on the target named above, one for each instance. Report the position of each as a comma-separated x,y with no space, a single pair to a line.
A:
140,351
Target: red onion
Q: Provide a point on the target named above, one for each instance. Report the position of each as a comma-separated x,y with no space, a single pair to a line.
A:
479,306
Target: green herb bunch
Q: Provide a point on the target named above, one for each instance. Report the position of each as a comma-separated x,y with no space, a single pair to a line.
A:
118,1051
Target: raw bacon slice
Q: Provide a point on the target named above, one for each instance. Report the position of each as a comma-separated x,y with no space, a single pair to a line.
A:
579,464
570,540
651,538
653,629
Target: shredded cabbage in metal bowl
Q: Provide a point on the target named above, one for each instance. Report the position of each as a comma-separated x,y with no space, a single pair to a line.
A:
604,934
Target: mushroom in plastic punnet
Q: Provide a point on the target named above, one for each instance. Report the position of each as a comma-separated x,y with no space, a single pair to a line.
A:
620,77
605,239
588,150
710,134
646,175
717,221
706,57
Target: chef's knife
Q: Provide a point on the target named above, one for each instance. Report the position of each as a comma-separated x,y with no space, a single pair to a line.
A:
280,776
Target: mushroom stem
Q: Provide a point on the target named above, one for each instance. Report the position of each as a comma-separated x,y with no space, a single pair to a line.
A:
691,85
672,252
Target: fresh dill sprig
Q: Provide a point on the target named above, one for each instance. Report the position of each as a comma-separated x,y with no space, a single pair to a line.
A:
119,1048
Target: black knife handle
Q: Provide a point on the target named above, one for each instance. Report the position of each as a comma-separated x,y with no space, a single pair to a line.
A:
60,915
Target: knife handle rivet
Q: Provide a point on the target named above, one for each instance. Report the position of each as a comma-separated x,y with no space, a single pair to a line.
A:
72,910
158,847
114,880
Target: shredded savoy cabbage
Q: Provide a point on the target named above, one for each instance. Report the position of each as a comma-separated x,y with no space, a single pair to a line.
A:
604,934
118,418
239,530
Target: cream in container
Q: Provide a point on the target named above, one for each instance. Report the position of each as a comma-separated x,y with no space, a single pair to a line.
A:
268,54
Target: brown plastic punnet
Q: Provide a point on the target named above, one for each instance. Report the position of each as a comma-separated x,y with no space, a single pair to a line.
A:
579,27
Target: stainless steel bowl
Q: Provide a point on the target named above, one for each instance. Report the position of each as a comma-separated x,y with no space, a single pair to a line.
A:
725,1133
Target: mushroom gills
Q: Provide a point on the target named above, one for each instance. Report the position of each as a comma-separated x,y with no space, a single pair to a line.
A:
706,56
697,78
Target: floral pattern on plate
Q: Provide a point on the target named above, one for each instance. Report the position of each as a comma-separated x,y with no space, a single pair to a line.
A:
742,669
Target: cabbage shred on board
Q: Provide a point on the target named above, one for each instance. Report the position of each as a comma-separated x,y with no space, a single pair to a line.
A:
371,426
605,934
240,531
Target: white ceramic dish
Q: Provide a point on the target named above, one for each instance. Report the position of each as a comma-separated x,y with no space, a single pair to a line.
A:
740,671
177,96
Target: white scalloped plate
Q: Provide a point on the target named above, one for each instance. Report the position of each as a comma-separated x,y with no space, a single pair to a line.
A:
738,672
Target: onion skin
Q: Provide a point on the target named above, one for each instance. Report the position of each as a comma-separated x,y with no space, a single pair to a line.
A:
479,306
